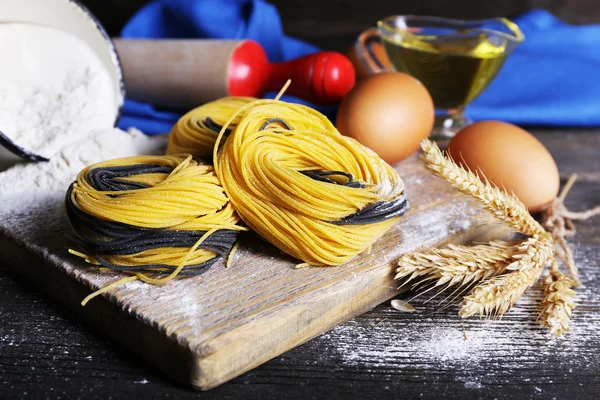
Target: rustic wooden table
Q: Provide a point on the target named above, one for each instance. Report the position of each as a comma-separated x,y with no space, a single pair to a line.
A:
46,351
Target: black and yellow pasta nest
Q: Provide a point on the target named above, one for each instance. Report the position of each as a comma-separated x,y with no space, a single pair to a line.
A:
296,181
196,132
152,215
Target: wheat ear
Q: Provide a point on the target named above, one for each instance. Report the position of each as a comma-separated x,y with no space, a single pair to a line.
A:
558,303
455,265
497,295
530,252
503,205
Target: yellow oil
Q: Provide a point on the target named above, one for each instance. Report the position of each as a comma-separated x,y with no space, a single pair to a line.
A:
454,71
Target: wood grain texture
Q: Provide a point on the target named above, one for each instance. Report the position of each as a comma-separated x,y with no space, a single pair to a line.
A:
47,351
209,329
331,23
335,24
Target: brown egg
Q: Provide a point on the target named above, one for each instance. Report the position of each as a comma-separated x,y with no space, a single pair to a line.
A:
390,113
511,158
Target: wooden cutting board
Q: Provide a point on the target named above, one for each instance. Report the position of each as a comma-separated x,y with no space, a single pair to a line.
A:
208,329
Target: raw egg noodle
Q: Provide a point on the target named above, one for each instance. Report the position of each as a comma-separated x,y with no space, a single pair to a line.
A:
163,215
295,180
196,132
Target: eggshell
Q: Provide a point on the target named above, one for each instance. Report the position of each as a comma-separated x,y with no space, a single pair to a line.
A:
390,113
511,158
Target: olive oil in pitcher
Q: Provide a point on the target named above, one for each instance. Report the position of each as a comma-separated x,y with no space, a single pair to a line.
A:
454,71
454,59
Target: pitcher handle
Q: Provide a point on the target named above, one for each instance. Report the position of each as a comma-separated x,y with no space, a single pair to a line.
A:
364,51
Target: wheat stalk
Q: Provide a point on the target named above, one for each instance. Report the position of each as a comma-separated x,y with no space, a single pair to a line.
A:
503,205
503,270
497,295
558,304
455,265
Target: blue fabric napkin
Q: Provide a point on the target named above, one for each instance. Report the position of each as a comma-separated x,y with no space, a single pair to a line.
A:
550,79
214,19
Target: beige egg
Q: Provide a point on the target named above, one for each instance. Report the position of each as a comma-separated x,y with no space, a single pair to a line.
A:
390,113
511,158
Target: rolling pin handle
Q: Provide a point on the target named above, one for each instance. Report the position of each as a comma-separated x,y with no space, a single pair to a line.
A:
249,70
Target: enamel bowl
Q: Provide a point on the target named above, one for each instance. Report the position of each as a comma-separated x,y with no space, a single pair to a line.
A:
72,17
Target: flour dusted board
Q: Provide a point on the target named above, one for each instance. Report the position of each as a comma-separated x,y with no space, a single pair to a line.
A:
206,330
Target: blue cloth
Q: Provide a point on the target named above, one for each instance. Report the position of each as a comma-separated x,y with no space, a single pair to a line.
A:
215,19
550,79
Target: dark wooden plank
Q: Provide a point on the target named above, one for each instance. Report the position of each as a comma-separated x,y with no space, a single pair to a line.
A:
334,23
34,330
575,151
207,330
382,353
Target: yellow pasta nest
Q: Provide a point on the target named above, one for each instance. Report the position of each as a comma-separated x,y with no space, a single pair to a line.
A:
295,180
196,132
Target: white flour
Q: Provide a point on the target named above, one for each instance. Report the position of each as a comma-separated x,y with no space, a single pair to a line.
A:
27,188
53,88
432,341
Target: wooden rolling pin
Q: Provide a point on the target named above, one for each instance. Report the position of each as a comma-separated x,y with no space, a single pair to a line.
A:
188,73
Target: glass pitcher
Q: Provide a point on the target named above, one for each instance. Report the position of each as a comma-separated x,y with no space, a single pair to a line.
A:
455,60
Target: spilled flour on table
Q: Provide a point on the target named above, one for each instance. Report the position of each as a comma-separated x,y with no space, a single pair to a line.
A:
441,340
32,194
438,344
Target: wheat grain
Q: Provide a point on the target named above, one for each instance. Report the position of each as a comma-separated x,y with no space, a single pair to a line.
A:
497,295
501,270
403,306
557,304
503,205
529,253
456,265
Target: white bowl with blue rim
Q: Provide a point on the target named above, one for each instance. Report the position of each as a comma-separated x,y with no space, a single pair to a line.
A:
72,17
